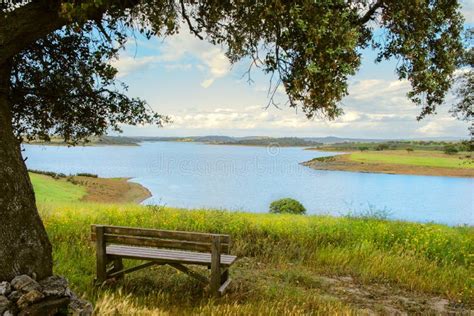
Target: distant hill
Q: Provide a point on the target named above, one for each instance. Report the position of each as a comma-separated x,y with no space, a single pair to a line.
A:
214,139
261,140
268,141
245,141
335,140
92,141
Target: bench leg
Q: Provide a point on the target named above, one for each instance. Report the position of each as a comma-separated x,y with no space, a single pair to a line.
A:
101,255
117,266
225,276
215,281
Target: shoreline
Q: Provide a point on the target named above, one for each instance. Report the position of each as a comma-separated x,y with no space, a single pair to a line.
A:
113,190
92,189
343,162
82,145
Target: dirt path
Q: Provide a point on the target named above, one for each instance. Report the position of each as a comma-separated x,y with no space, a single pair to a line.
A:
376,299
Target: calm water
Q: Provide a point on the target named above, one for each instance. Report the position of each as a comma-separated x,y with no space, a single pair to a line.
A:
248,178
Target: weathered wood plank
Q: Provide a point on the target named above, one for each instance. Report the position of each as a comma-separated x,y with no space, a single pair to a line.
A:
165,234
177,254
224,286
101,254
159,243
215,281
224,275
190,272
169,255
132,269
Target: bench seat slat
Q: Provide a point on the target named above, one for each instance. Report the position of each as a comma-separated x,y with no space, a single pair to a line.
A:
134,252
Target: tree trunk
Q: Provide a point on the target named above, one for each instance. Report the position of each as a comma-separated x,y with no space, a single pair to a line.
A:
24,244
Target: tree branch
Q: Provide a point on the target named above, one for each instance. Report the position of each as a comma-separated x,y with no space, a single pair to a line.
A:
185,16
25,25
103,31
369,14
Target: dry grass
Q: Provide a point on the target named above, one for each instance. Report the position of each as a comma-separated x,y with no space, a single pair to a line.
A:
112,190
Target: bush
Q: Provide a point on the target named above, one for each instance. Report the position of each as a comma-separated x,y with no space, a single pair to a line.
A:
363,148
287,205
409,150
89,175
450,149
382,147
48,173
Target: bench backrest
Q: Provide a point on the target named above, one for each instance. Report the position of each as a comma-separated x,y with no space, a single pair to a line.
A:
145,237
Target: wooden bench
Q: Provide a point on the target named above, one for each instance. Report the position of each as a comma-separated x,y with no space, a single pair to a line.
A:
163,247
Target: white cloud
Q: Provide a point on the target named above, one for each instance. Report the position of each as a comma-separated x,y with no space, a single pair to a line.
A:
179,67
127,64
212,59
376,88
351,116
207,83
439,127
171,51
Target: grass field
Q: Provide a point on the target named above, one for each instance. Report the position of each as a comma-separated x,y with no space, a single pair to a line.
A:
288,264
431,163
420,158
48,189
88,189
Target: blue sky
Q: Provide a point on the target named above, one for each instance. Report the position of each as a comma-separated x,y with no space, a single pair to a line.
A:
191,81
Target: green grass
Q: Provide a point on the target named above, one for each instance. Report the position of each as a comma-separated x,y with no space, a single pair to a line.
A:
48,189
282,259
414,159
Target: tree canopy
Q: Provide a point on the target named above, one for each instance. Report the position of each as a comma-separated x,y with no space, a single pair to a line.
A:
63,84
464,108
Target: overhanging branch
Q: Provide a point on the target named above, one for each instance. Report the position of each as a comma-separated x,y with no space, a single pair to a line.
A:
369,15
24,25
186,17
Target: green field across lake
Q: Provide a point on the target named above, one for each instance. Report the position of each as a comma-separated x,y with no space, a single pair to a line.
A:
415,159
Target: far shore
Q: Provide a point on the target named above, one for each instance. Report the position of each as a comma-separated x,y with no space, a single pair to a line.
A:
90,144
427,163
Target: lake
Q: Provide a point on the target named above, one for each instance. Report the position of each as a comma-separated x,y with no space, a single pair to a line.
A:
195,175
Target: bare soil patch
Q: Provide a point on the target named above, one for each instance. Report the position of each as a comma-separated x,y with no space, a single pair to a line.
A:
112,190
376,299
